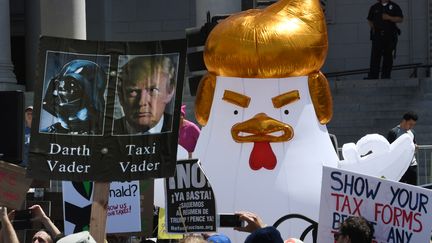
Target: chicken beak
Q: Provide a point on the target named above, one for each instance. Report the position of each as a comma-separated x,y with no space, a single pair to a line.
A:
261,128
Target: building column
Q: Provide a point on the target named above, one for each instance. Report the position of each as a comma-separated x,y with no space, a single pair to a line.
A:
216,7
33,31
65,18
7,77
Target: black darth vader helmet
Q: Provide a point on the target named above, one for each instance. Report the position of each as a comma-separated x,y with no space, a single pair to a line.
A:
78,87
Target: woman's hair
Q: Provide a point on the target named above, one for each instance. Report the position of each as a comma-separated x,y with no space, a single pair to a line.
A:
193,239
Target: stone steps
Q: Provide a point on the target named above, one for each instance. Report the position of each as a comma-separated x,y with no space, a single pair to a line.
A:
374,106
370,106
413,82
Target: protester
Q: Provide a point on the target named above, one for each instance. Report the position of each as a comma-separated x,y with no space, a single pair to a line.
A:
28,116
355,229
218,238
146,86
188,133
293,240
194,238
38,215
382,19
260,232
407,124
42,236
114,238
7,232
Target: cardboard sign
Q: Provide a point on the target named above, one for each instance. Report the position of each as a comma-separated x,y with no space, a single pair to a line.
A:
162,232
91,119
124,207
13,185
399,212
190,200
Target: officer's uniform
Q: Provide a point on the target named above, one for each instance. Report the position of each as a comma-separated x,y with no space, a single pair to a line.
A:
384,38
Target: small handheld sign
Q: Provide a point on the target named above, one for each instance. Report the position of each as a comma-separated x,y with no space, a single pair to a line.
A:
190,200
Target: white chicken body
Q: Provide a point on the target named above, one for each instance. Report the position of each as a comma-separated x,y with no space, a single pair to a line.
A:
294,185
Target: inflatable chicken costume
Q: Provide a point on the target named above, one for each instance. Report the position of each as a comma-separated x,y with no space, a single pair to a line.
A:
264,105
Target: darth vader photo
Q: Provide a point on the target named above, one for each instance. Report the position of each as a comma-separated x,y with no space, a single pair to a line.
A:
74,101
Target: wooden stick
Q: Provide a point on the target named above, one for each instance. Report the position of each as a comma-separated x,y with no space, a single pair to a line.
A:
99,210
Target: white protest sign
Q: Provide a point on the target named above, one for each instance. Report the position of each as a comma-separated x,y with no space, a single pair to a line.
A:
124,207
399,212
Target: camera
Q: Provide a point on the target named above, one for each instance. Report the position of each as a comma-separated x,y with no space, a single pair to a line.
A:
25,214
22,219
229,220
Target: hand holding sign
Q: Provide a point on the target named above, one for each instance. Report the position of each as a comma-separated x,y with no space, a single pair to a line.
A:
7,232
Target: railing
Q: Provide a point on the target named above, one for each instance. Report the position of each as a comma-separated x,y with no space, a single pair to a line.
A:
413,66
424,160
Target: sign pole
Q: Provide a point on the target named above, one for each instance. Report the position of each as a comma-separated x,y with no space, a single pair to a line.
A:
99,211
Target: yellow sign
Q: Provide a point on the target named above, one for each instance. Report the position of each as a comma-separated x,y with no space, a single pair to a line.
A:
162,232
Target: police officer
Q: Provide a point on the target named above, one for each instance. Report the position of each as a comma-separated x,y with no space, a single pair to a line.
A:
382,19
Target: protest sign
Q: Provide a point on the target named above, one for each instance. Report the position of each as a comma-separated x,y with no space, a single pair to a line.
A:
13,185
399,212
162,232
190,200
124,207
89,119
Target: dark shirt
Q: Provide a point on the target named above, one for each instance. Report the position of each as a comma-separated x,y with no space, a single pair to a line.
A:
396,132
384,26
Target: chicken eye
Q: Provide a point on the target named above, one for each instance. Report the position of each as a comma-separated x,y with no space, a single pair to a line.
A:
235,112
286,112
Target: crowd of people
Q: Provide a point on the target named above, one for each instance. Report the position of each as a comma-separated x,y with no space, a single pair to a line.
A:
146,87
354,229
48,234
136,98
